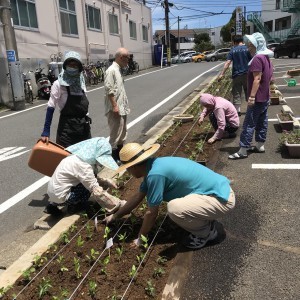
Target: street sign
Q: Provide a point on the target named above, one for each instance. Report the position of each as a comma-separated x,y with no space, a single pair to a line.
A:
11,55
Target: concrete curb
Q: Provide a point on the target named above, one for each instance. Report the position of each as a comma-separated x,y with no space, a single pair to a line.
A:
182,262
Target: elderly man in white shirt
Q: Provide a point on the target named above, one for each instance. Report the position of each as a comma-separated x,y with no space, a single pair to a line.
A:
116,102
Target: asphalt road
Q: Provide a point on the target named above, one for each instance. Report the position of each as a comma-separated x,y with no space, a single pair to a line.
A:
23,191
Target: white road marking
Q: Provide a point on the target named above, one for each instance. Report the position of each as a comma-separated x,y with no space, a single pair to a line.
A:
276,166
21,195
27,191
11,153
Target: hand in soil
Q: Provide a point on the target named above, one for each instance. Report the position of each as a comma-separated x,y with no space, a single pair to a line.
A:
109,219
211,140
136,243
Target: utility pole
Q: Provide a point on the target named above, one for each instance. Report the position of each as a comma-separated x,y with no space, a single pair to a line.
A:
166,5
14,67
178,35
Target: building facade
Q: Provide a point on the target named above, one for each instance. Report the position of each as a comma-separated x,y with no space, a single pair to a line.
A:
278,20
95,29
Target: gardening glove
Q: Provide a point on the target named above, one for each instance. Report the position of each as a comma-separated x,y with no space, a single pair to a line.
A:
107,183
46,132
109,219
136,243
106,200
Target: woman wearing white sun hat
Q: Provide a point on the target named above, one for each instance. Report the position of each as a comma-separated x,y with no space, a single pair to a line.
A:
195,195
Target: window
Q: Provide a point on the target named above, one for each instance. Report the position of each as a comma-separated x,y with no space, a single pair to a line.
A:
132,29
283,23
268,25
277,4
93,17
113,24
68,17
145,33
24,13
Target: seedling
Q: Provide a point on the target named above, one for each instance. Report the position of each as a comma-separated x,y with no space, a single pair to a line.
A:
89,231
27,274
132,271
65,238
77,267
119,251
144,242
92,288
79,241
84,215
44,287
161,260
122,237
3,291
38,261
106,232
143,207
116,193
150,289
73,228
53,247
92,257
140,257
105,263
158,272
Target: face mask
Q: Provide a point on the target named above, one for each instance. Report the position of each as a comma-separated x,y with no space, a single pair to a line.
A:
72,71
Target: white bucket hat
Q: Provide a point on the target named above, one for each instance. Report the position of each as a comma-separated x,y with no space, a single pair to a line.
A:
259,42
133,153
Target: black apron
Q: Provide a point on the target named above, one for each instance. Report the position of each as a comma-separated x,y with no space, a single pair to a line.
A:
74,124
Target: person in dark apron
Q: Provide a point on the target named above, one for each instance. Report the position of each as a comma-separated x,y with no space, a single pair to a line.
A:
68,93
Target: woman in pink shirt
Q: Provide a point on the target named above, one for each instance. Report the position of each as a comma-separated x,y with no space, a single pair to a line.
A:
222,115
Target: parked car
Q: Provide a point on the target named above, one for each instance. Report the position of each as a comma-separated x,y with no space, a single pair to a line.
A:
186,58
290,47
272,46
218,54
176,58
198,57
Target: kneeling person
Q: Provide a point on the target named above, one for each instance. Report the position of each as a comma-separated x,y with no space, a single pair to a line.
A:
196,195
74,180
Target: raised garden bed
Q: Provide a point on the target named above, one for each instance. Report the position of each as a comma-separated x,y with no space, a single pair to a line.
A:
84,264
286,121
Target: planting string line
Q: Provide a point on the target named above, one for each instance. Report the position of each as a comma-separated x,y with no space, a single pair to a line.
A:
46,265
149,247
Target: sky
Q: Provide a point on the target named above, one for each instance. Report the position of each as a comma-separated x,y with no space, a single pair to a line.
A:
198,13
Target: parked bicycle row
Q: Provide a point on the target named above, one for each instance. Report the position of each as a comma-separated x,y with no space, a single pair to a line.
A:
93,75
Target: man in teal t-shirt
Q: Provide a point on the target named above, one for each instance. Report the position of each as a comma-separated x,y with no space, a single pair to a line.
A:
195,195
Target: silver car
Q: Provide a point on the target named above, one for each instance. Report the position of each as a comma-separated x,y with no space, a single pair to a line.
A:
218,54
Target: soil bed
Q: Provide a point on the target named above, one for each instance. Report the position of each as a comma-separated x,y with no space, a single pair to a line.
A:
79,266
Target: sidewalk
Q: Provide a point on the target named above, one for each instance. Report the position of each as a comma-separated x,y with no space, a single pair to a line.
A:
260,257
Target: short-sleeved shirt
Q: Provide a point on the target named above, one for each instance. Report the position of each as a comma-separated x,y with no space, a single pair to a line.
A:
114,85
169,178
240,57
261,63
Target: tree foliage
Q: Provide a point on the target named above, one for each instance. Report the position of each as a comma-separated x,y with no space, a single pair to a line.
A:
226,29
202,42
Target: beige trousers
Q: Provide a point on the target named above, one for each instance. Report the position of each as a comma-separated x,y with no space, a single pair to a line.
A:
194,212
118,129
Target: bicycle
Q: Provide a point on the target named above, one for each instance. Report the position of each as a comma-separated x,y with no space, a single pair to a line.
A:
133,66
27,89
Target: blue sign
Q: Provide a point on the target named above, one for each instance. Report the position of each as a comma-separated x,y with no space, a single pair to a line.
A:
11,55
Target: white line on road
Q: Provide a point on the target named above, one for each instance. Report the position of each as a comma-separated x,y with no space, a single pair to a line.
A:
12,153
276,166
101,87
21,195
27,191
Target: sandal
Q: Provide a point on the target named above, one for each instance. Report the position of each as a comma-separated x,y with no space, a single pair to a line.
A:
254,149
237,155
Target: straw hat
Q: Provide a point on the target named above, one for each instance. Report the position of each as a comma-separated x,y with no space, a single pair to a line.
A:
133,153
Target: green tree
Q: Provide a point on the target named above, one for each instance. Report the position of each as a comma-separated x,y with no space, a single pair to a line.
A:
202,42
226,29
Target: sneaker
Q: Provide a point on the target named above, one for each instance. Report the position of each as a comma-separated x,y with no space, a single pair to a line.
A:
53,210
194,242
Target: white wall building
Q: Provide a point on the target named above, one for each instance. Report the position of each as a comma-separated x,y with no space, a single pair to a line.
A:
277,20
95,29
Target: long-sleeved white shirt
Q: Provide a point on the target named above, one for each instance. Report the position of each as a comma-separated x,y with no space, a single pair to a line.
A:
70,172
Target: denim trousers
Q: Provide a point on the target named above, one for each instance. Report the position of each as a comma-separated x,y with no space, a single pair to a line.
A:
256,119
